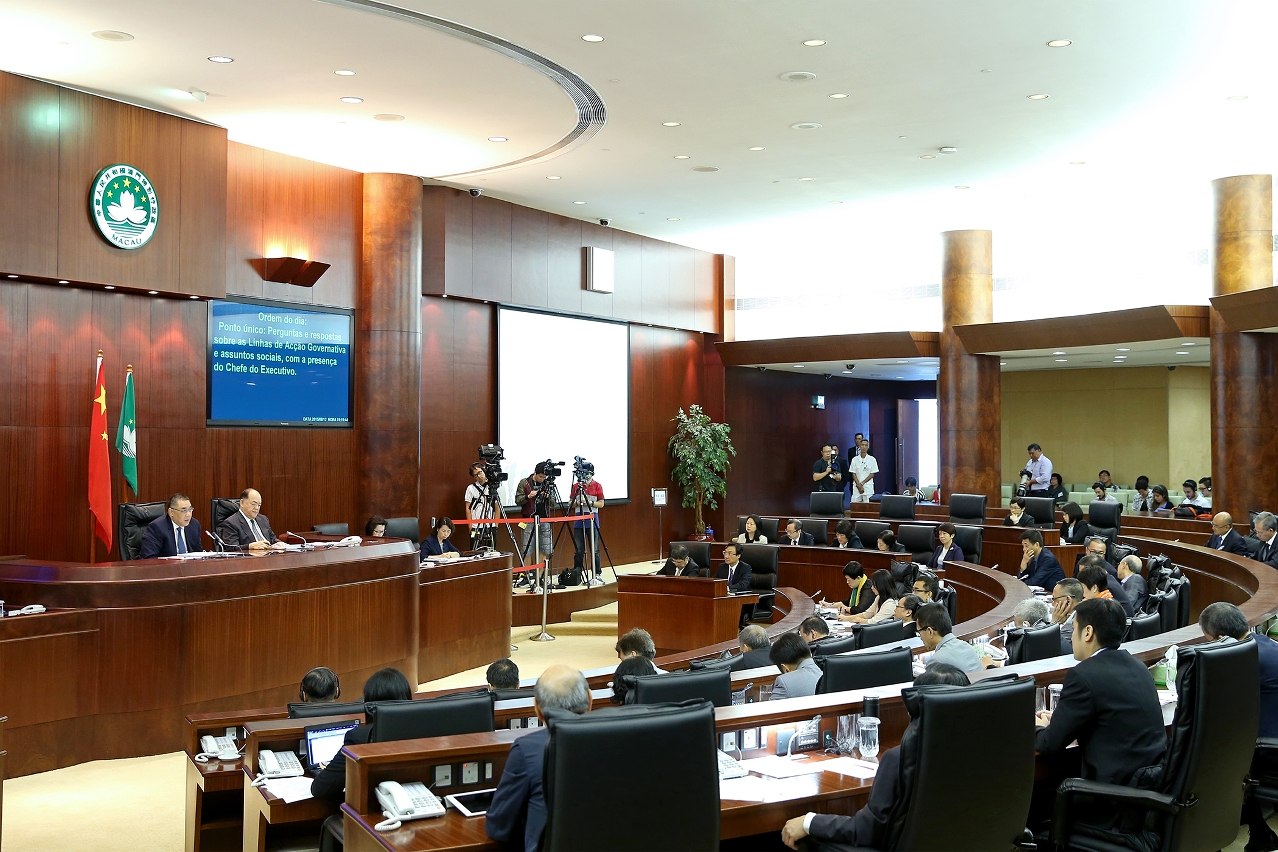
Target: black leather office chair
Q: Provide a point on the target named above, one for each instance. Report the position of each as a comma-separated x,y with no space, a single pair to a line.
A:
404,528
1167,604
769,527
221,508
763,561
1196,802
868,532
862,671
818,529
713,685
459,713
917,540
1183,599
948,596
883,633
332,529
632,748
1042,510
698,551
826,504
1144,626
1105,516
970,539
133,521
316,709
1027,644
896,507
513,694
829,646
717,664
931,805
967,509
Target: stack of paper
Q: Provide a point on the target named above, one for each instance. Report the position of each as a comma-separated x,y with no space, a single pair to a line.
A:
290,789
781,767
850,766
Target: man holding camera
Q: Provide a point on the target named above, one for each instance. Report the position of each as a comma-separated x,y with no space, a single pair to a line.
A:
1039,468
479,506
532,495
587,496
827,472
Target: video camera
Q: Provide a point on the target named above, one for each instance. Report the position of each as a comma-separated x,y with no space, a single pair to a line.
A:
1023,487
490,459
550,468
582,468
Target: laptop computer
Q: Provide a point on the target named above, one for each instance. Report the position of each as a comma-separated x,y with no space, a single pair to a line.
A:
323,742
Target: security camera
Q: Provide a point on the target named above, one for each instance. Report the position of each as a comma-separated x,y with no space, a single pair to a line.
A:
1171,367
605,222
475,193
762,369
827,375
849,366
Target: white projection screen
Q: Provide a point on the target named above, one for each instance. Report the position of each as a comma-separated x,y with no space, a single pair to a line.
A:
579,405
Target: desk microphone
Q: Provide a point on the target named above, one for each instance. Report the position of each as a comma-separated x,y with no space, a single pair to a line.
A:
814,597
220,544
305,543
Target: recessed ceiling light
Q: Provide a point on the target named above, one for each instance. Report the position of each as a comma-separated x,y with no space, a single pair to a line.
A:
195,297
497,139
836,202
705,168
838,96
344,72
352,100
669,124
1002,363
1078,162
13,276
1058,353
64,282
900,377
1236,98
1039,97
221,60
553,177
847,371
796,76
672,218
1187,344
813,42
798,366
1182,353
114,35
108,287
153,292
579,202
807,178
987,70
755,148
592,38
928,157
1124,349
1059,42
682,157
805,125
1061,360
962,186
388,116
948,149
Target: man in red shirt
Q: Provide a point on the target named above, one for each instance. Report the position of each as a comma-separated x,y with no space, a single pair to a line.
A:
587,496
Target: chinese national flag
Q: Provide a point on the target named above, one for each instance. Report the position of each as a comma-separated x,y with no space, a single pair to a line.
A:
100,460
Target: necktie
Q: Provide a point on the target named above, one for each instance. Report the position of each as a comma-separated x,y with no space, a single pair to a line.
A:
257,531
181,539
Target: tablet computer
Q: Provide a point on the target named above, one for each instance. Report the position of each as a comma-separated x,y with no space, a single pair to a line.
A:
472,804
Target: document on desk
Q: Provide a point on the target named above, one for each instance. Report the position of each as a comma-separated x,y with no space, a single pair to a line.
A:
850,766
749,788
781,767
290,789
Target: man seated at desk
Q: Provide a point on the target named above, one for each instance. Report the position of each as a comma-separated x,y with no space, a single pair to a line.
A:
794,534
1038,566
1224,537
799,672
937,633
249,529
753,640
1099,583
732,569
518,809
869,827
681,564
813,629
386,685
173,533
1066,596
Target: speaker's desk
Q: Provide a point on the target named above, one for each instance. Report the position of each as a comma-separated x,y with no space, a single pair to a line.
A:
679,612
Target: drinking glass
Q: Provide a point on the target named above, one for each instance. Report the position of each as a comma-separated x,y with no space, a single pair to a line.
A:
846,738
1053,696
869,729
1040,699
765,691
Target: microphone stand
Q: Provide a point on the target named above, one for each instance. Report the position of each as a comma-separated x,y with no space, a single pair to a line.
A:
306,545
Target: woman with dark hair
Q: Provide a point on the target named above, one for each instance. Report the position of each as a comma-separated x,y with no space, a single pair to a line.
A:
912,488
437,543
631,666
1074,530
376,527
386,685
887,543
1016,514
1057,490
752,534
884,605
844,536
947,549
859,597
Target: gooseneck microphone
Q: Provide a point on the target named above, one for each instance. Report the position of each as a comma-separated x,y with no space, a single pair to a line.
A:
221,545
305,543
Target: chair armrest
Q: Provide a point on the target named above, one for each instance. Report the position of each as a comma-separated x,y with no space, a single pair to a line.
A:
1061,818
1267,742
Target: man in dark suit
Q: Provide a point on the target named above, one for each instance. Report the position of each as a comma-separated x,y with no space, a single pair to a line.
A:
869,827
1108,702
517,814
813,629
795,535
1038,566
1224,537
1099,583
173,533
732,569
681,564
249,529
1266,527
754,648
1133,583
1096,545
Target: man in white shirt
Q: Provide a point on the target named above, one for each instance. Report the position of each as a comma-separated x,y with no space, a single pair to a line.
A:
1102,493
1204,490
479,505
1040,468
862,468
1192,498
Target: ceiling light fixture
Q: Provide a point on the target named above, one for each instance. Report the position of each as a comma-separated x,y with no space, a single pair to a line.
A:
672,218
1078,162
344,72
13,276
705,169
351,100
579,202
798,366
682,157
962,186
1182,353
928,157
813,42
1124,349
195,297
592,38
221,60
805,125
1187,344
114,35
987,70
497,139
669,124
838,96
796,76
64,282
1059,353
755,148
108,287
153,292
388,116
1061,360
1039,97
1059,42
1236,98
808,178
553,177
1002,363
948,149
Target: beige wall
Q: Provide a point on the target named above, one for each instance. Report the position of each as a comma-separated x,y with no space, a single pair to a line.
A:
1127,420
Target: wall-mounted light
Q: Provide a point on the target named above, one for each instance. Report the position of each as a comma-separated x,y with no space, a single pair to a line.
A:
290,270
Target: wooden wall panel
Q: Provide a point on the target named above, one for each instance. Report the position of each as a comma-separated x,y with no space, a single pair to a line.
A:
491,236
202,228
29,173
529,233
563,264
656,282
627,297
458,245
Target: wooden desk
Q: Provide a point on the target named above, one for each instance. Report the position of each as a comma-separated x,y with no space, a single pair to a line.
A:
680,612
464,616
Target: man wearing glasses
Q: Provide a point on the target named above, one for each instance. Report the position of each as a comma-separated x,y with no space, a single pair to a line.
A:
173,533
249,529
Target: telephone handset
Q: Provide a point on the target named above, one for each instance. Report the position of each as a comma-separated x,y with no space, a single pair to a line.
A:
223,748
276,764
400,802
351,541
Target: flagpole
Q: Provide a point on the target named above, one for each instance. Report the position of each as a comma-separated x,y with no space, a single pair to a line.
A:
93,537
128,371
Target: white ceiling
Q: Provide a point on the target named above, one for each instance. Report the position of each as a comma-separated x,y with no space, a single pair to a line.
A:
912,70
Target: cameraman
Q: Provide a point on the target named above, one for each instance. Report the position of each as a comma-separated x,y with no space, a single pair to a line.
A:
532,495
1040,472
479,505
587,496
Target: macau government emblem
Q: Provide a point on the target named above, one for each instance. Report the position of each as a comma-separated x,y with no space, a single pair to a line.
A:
124,205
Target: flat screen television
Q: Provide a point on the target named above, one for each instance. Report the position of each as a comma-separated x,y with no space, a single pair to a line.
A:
277,364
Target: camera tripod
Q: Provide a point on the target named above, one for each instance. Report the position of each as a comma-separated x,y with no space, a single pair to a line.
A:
549,499
489,505
581,506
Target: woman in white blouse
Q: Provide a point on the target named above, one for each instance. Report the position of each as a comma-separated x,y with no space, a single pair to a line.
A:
884,600
752,534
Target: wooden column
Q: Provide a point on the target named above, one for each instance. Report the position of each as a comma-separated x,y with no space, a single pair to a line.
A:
1243,451
389,352
968,391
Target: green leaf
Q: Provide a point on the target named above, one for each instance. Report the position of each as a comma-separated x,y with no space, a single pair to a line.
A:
702,451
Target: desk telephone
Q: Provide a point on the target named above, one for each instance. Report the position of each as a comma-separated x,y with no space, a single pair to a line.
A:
223,748
404,802
276,764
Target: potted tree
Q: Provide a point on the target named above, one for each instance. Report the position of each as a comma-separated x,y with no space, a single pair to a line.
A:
702,451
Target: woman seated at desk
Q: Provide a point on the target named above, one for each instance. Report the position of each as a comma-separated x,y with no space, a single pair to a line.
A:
860,597
947,549
752,534
1016,514
912,488
1074,529
844,536
884,605
887,543
1057,490
437,543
